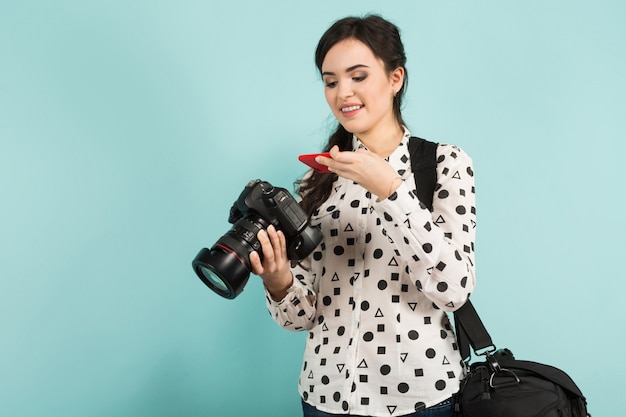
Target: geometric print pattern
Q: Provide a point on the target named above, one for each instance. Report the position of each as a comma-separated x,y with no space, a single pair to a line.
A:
374,295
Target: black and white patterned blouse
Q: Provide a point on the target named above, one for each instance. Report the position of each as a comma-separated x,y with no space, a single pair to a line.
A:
374,294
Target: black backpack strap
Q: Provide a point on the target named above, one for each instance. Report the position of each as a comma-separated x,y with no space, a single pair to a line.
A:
470,330
423,156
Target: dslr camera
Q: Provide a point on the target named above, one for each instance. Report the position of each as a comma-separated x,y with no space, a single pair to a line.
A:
225,268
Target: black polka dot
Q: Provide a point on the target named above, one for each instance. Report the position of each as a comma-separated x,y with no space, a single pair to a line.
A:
368,336
428,248
403,387
413,335
378,253
461,209
430,353
442,287
440,385
385,369
382,284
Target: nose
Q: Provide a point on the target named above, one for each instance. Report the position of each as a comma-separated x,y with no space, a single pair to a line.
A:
345,89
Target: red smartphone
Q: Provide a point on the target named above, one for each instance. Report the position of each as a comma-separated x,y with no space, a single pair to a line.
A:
309,159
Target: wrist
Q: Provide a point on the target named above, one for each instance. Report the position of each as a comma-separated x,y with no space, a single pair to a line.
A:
278,288
394,184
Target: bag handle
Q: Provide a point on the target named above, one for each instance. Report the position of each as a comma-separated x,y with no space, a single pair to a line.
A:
470,330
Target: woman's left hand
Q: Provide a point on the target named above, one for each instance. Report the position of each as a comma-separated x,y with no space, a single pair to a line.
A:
365,168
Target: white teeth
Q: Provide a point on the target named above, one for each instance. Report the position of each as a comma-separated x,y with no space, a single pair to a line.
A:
351,108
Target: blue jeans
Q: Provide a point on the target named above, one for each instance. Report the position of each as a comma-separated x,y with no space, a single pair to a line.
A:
443,409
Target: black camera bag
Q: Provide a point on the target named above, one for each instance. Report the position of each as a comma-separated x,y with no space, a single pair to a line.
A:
499,386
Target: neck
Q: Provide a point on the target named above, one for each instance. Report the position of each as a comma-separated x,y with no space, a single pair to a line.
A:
383,141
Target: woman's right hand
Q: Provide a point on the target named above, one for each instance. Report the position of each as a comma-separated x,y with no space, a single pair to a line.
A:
275,270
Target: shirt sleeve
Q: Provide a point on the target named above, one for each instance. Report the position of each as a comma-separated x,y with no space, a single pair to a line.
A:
296,311
438,246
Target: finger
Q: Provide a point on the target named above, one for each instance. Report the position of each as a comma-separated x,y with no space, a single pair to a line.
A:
266,247
275,240
338,162
322,160
283,243
255,262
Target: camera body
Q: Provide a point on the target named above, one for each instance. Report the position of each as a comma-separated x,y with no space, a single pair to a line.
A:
276,207
225,268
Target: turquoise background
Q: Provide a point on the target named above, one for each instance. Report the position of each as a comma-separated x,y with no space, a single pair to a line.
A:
128,128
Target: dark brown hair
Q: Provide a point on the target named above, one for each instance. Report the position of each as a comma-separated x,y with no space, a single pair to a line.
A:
383,38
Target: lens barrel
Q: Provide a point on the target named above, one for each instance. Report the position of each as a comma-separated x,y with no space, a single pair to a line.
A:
225,268
221,270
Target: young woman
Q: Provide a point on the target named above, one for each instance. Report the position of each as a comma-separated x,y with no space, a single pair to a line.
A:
374,294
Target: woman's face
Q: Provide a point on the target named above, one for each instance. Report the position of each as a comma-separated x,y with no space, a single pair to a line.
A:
358,89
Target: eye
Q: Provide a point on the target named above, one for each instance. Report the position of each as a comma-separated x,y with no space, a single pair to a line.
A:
331,84
359,78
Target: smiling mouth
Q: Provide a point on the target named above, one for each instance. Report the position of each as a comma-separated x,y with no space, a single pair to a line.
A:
350,109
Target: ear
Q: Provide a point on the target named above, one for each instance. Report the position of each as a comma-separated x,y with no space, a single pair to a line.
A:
397,78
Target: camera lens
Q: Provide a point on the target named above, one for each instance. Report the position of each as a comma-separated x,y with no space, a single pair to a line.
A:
213,279
226,267
221,270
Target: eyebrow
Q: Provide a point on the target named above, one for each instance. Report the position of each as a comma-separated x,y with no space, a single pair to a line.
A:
349,69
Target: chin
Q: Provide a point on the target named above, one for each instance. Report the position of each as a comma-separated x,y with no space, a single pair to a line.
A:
354,128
